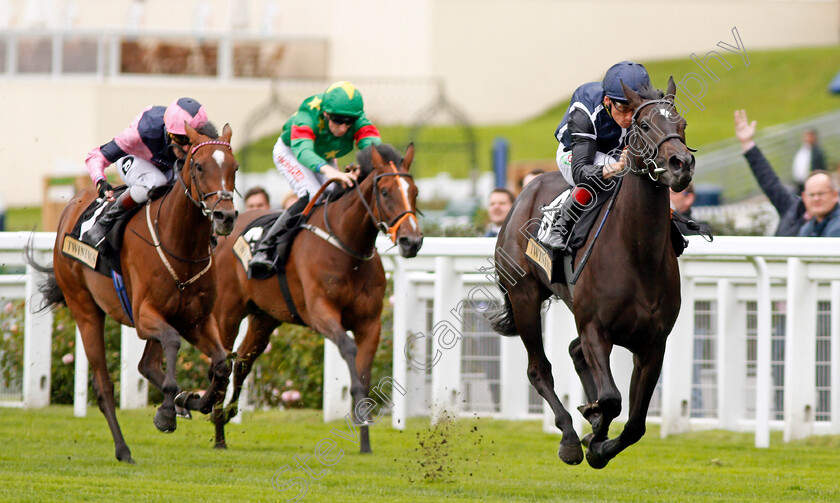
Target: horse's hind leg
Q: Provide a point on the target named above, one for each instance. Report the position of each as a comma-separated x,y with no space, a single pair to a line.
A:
253,345
590,411
91,322
528,322
646,369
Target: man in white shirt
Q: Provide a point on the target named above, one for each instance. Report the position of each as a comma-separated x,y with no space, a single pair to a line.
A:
808,158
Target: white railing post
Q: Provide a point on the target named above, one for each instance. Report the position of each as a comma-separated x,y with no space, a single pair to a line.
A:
763,355
243,394
37,343
731,356
402,303
514,378
337,399
80,378
800,352
676,368
134,389
446,373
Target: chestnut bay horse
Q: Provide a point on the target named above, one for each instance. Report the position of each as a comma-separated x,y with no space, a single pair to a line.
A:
169,276
628,293
334,287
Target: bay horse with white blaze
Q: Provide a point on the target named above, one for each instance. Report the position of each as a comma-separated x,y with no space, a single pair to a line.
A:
170,279
336,285
628,293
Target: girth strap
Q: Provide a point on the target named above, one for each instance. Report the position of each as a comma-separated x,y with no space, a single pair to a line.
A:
287,296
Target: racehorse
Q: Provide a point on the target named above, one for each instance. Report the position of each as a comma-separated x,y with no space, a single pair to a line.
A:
628,293
335,285
169,277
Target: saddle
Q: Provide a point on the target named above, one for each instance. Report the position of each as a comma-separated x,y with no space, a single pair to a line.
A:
107,257
247,241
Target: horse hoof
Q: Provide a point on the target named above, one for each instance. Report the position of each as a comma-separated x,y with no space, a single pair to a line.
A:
571,454
182,413
165,422
220,445
185,399
124,456
586,440
594,459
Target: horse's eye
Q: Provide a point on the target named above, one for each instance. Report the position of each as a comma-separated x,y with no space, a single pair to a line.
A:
198,167
384,192
644,126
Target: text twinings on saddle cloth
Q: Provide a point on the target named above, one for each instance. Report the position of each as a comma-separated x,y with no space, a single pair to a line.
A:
82,252
539,256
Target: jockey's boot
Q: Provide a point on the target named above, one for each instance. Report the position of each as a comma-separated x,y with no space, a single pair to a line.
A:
262,261
97,233
564,220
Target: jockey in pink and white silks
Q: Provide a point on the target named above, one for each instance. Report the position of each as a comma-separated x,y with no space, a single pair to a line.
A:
144,156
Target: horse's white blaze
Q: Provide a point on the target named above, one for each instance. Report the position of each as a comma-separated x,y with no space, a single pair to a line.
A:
404,189
665,112
219,157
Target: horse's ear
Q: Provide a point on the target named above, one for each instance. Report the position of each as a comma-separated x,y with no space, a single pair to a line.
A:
227,132
192,134
632,97
375,159
409,156
671,92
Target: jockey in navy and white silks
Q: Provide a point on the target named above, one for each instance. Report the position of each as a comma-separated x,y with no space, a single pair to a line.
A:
591,135
144,157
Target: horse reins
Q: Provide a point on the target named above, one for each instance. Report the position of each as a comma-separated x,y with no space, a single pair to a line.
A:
651,169
390,229
224,195
207,212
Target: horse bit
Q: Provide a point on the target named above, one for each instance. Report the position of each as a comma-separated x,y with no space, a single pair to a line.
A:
651,169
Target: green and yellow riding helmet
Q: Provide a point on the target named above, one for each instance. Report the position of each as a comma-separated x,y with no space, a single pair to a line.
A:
343,99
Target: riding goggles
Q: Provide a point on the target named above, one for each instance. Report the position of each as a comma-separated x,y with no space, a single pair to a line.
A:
344,120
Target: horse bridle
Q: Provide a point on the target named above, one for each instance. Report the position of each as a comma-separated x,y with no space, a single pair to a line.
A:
651,169
200,201
389,228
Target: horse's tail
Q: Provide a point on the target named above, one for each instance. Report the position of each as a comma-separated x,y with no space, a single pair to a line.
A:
49,288
502,319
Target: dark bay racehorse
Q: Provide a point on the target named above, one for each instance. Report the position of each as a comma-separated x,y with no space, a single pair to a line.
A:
169,275
335,287
628,293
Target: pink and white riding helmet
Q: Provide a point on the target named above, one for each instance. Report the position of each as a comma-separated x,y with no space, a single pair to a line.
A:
184,110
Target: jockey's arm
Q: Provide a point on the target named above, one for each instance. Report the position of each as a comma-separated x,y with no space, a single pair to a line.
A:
584,147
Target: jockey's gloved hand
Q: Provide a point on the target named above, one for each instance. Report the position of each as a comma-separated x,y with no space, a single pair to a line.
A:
103,186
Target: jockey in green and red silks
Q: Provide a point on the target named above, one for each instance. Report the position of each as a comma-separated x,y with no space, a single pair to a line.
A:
325,127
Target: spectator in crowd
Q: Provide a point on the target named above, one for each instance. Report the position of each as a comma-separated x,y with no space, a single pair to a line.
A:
808,158
498,207
820,196
793,210
530,176
681,202
256,199
289,199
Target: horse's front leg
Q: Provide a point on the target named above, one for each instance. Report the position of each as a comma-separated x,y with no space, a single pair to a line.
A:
151,325
253,345
205,337
607,405
329,324
367,341
646,369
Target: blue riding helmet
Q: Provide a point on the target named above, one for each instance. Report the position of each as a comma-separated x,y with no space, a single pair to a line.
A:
634,76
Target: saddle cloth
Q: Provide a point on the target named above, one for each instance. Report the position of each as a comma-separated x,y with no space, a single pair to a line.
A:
107,257
246,243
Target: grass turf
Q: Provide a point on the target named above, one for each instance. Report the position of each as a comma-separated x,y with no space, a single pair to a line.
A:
48,455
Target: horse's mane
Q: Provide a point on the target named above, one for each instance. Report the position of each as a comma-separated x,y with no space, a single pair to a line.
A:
648,92
363,158
209,129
